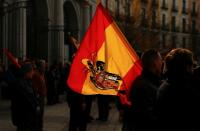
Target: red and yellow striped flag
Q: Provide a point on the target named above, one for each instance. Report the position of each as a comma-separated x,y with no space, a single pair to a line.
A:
105,63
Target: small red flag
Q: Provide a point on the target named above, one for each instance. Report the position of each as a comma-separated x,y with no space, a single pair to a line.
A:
11,58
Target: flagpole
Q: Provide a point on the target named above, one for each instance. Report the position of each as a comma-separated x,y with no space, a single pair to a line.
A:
98,1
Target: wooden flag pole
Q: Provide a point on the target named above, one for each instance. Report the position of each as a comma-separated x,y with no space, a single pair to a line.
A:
98,1
74,42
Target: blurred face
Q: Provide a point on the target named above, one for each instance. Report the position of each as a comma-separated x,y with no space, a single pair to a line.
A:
43,67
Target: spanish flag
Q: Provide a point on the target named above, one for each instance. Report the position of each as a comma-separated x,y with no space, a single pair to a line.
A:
105,63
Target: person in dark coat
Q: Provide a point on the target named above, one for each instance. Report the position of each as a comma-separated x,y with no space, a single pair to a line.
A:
103,102
141,116
78,115
39,84
77,105
177,105
196,90
24,104
51,85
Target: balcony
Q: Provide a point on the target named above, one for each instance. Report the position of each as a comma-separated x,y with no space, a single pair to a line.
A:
194,13
184,30
174,9
144,1
164,7
165,27
155,3
194,31
184,11
175,29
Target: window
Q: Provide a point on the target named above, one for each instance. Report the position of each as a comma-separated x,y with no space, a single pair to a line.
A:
163,20
143,17
184,42
173,23
163,3
1,31
154,19
184,6
163,40
183,25
193,7
117,8
173,41
193,26
154,2
91,12
143,13
174,5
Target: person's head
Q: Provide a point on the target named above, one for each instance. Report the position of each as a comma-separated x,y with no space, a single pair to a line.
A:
27,70
41,65
179,61
152,61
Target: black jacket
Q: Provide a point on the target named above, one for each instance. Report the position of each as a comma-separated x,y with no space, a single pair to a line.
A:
177,104
24,104
143,98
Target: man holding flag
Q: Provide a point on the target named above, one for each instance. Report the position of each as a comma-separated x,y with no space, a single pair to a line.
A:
105,63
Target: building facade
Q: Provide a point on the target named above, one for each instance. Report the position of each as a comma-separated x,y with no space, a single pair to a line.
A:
39,28
179,22
161,24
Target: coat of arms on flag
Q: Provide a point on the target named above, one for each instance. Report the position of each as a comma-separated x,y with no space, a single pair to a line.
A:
102,79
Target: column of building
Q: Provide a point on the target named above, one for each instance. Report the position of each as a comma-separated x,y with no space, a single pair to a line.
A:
1,26
56,34
17,20
85,16
3,29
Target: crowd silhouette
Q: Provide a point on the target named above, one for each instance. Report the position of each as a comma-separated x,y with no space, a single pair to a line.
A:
164,97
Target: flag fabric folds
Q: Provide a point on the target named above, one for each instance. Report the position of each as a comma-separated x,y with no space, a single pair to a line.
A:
105,63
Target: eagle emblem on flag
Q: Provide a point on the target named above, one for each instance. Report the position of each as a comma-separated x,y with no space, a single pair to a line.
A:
102,79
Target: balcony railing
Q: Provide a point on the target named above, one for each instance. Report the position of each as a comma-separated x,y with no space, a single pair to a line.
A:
175,29
184,11
174,9
164,7
165,27
194,13
144,1
155,3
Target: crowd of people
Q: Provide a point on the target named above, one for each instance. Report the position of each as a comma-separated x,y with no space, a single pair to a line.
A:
33,86
30,88
164,97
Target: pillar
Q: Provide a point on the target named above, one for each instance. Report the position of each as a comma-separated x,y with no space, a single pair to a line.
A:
21,8
16,28
4,39
56,34
86,17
